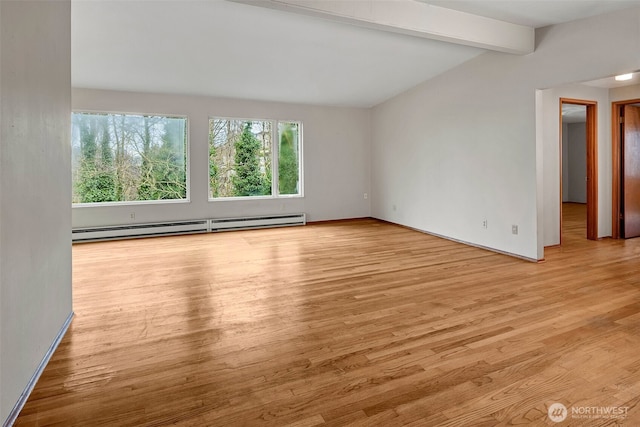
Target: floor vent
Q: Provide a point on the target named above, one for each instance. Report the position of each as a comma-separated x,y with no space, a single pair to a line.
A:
228,224
133,231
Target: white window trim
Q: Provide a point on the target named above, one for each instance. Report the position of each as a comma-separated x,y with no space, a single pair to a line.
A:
275,148
187,149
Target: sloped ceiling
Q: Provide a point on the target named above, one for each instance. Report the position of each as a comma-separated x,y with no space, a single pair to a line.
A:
227,49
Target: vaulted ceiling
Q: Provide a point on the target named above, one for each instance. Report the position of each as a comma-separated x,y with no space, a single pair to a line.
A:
234,49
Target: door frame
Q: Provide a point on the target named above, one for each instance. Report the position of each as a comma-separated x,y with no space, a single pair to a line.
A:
592,164
616,150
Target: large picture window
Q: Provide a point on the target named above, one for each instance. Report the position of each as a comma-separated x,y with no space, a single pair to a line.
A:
250,158
128,158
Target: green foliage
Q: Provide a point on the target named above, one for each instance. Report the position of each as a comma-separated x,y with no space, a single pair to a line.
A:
214,188
106,155
131,157
168,175
95,185
163,171
266,185
172,166
240,157
288,159
248,180
96,181
146,185
88,139
127,158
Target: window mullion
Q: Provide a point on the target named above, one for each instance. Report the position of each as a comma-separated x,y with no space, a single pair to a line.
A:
275,153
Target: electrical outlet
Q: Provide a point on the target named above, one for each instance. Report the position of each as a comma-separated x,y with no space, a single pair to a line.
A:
132,215
366,196
514,229
485,224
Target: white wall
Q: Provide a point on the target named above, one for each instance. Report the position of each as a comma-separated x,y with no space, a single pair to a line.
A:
624,93
35,202
577,162
550,120
336,161
3,416
565,162
447,178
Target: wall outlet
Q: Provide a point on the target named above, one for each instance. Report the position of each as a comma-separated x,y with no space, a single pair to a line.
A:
485,224
132,215
514,229
366,196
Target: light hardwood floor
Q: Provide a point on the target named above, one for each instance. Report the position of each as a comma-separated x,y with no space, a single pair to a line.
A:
348,323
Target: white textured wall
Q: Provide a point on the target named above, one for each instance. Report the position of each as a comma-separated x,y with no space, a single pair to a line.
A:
3,416
336,151
577,159
35,201
624,93
565,162
446,178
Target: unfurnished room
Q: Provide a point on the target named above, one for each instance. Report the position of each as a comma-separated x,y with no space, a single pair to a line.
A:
319,212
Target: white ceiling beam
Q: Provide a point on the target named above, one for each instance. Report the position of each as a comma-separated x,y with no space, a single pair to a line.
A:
416,19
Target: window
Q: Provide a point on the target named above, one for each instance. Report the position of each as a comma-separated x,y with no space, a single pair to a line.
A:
243,158
128,158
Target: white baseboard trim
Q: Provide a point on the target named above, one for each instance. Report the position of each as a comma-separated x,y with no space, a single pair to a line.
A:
463,242
486,248
13,415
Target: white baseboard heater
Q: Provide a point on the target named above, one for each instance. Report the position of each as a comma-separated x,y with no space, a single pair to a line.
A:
132,231
227,224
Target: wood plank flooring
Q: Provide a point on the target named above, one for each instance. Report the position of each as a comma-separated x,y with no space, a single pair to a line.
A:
574,222
358,323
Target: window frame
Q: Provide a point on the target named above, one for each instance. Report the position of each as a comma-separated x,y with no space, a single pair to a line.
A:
275,152
187,149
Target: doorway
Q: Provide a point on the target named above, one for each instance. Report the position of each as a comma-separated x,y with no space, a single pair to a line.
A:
589,170
626,169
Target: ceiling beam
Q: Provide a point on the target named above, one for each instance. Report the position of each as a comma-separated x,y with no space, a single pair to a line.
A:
415,18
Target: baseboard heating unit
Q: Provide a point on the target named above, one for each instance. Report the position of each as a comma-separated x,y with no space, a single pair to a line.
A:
132,231
227,224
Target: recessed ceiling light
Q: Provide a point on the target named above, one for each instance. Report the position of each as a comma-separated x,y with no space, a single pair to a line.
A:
624,77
